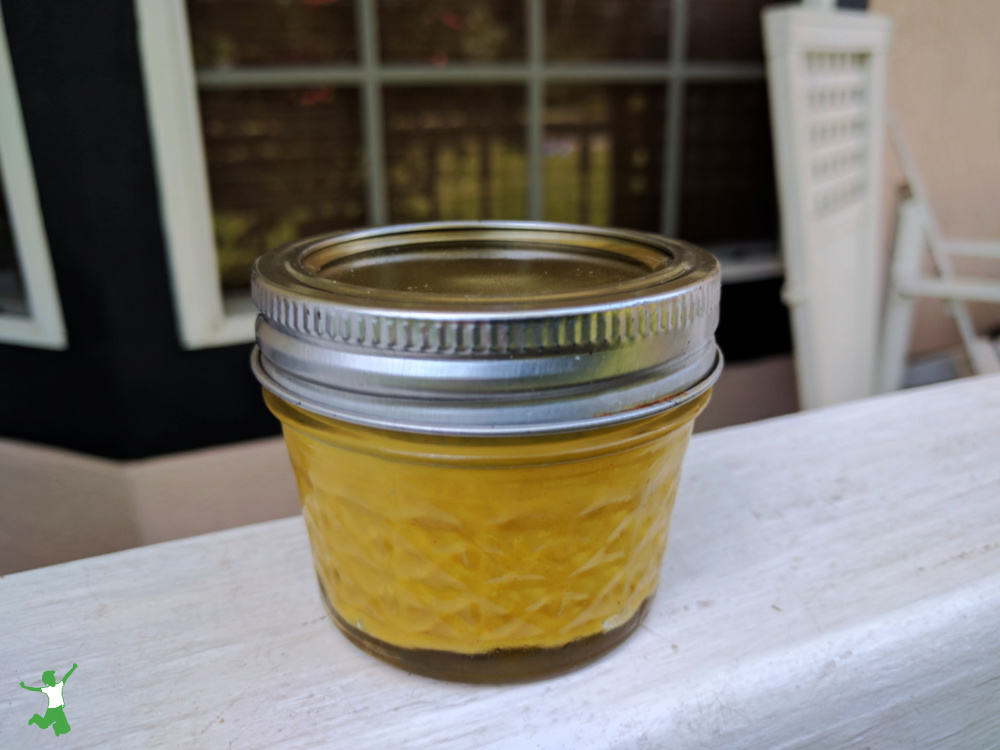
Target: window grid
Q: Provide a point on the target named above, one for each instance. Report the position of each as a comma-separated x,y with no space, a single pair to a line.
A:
371,112
672,138
371,75
206,315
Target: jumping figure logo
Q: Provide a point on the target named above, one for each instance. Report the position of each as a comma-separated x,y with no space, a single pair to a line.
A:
54,717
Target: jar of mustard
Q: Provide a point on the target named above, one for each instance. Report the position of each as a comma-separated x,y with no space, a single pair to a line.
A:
486,421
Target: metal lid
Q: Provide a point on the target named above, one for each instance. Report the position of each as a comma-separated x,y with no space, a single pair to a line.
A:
476,328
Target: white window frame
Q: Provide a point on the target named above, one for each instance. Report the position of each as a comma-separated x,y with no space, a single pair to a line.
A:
42,325
205,316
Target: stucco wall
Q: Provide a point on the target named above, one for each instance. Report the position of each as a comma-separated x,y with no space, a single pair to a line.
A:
944,86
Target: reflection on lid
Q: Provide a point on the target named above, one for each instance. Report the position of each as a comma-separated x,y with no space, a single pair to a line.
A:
485,271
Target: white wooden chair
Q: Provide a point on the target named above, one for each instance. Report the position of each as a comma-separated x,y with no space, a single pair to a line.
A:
917,230
826,74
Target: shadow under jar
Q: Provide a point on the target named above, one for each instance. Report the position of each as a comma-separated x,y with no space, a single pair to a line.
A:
486,422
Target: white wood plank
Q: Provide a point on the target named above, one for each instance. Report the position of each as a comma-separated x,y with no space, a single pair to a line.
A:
897,317
42,326
185,197
832,581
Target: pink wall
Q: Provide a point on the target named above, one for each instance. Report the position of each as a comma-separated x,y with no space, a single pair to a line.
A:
944,86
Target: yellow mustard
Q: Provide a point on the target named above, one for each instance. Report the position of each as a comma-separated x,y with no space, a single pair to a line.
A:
426,542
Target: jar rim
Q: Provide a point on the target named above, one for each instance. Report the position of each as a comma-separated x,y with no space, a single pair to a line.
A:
364,270
487,327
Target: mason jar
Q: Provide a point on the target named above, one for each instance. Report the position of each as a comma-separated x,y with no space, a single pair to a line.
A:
486,421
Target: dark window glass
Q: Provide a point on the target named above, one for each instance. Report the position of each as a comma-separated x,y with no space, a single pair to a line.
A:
725,30
227,33
579,30
455,152
604,154
728,190
12,297
754,321
282,164
443,31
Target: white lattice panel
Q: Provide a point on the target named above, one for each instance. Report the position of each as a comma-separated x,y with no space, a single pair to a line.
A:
826,72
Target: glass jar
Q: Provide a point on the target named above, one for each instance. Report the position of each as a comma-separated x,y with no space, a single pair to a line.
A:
487,422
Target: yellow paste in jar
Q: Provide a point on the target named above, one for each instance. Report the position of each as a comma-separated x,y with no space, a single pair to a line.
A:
469,545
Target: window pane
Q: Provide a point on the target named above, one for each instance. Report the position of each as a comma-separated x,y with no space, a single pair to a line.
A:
282,164
443,31
12,298
607,29
604,154
725,30
728,190
227,33
455,152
